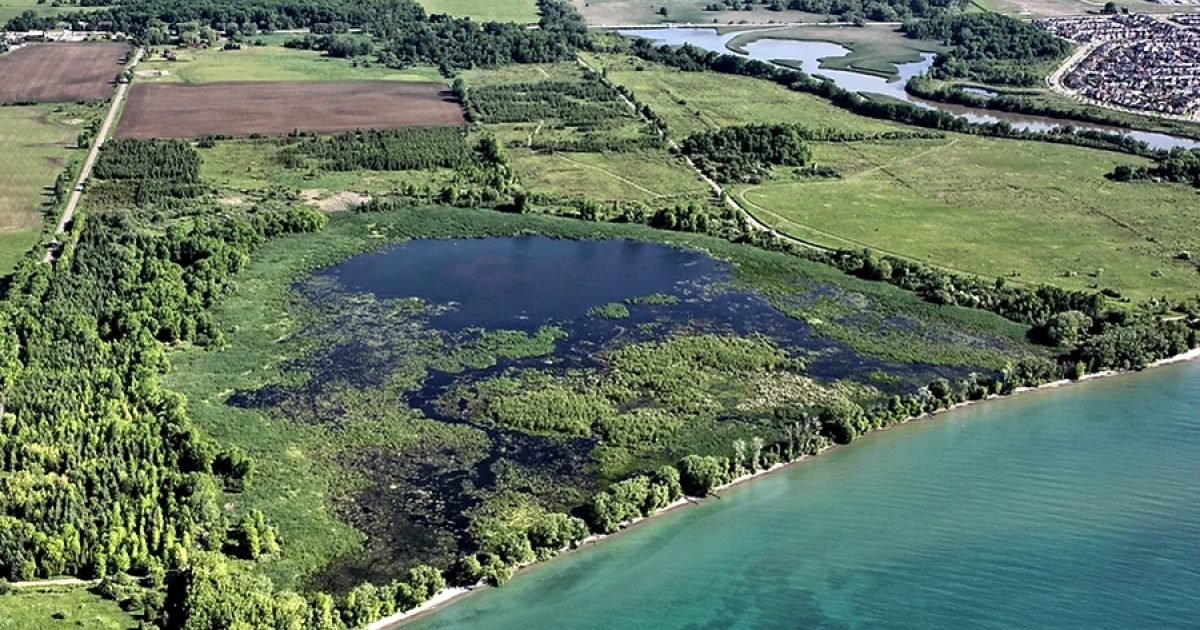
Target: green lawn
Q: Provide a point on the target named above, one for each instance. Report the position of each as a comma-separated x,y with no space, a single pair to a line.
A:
269,63
1032,211
699,101
35,144
54,609
522,11
874,49
641,176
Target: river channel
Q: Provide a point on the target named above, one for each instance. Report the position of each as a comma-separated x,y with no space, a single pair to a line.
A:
808,55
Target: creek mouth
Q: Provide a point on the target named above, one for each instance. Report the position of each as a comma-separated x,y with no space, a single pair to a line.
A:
405,339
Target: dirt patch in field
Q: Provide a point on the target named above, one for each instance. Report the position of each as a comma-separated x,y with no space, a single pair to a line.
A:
60,73
338,202
274,108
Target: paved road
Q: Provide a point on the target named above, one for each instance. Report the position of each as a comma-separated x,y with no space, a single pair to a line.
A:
113,109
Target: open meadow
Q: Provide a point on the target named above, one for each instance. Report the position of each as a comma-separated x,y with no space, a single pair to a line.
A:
648,175
50,73
691,102
520,11
10,9
270,62
60,609
35,141
1033,212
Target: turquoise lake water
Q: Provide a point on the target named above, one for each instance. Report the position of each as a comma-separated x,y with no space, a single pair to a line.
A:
1075,508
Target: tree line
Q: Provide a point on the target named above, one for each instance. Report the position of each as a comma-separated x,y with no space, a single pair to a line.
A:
927,88
403,33
988,47
102,471
1178,165
747,153
389,150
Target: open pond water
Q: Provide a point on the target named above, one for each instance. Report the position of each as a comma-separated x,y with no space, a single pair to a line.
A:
523,283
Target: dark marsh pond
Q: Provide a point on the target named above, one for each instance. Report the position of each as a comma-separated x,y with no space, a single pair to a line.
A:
393,337
526,282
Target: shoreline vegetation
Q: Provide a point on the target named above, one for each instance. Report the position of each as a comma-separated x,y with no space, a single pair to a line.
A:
453,594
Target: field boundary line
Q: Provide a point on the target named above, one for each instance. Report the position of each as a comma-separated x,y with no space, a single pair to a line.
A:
85,172
884,166
782,219
610,174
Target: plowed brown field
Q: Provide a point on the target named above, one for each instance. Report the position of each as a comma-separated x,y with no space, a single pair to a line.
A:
58,73
272,108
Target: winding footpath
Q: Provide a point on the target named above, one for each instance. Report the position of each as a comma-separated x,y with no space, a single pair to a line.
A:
77,193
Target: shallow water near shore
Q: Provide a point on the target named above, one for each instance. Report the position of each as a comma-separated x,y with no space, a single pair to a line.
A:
1077,507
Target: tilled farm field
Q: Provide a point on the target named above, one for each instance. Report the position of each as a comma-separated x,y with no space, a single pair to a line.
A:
59,73
272,108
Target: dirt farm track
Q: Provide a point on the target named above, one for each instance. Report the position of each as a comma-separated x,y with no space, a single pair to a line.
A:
272,108
57,73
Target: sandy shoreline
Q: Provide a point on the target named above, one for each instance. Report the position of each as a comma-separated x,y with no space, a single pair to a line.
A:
451,594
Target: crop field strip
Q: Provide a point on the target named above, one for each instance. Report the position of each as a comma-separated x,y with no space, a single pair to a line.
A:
269,108
60,73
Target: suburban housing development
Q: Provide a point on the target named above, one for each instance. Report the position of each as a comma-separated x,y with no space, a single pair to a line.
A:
1139,62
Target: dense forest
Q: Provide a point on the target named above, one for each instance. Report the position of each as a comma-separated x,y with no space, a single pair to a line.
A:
745,154
86,421
146,173
388,150
989,47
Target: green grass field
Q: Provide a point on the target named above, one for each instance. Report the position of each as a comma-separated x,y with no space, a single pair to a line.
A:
241,169
59,609
521,11
269,63
642,176
12,8
35,144
1032,211
874,49
690,102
